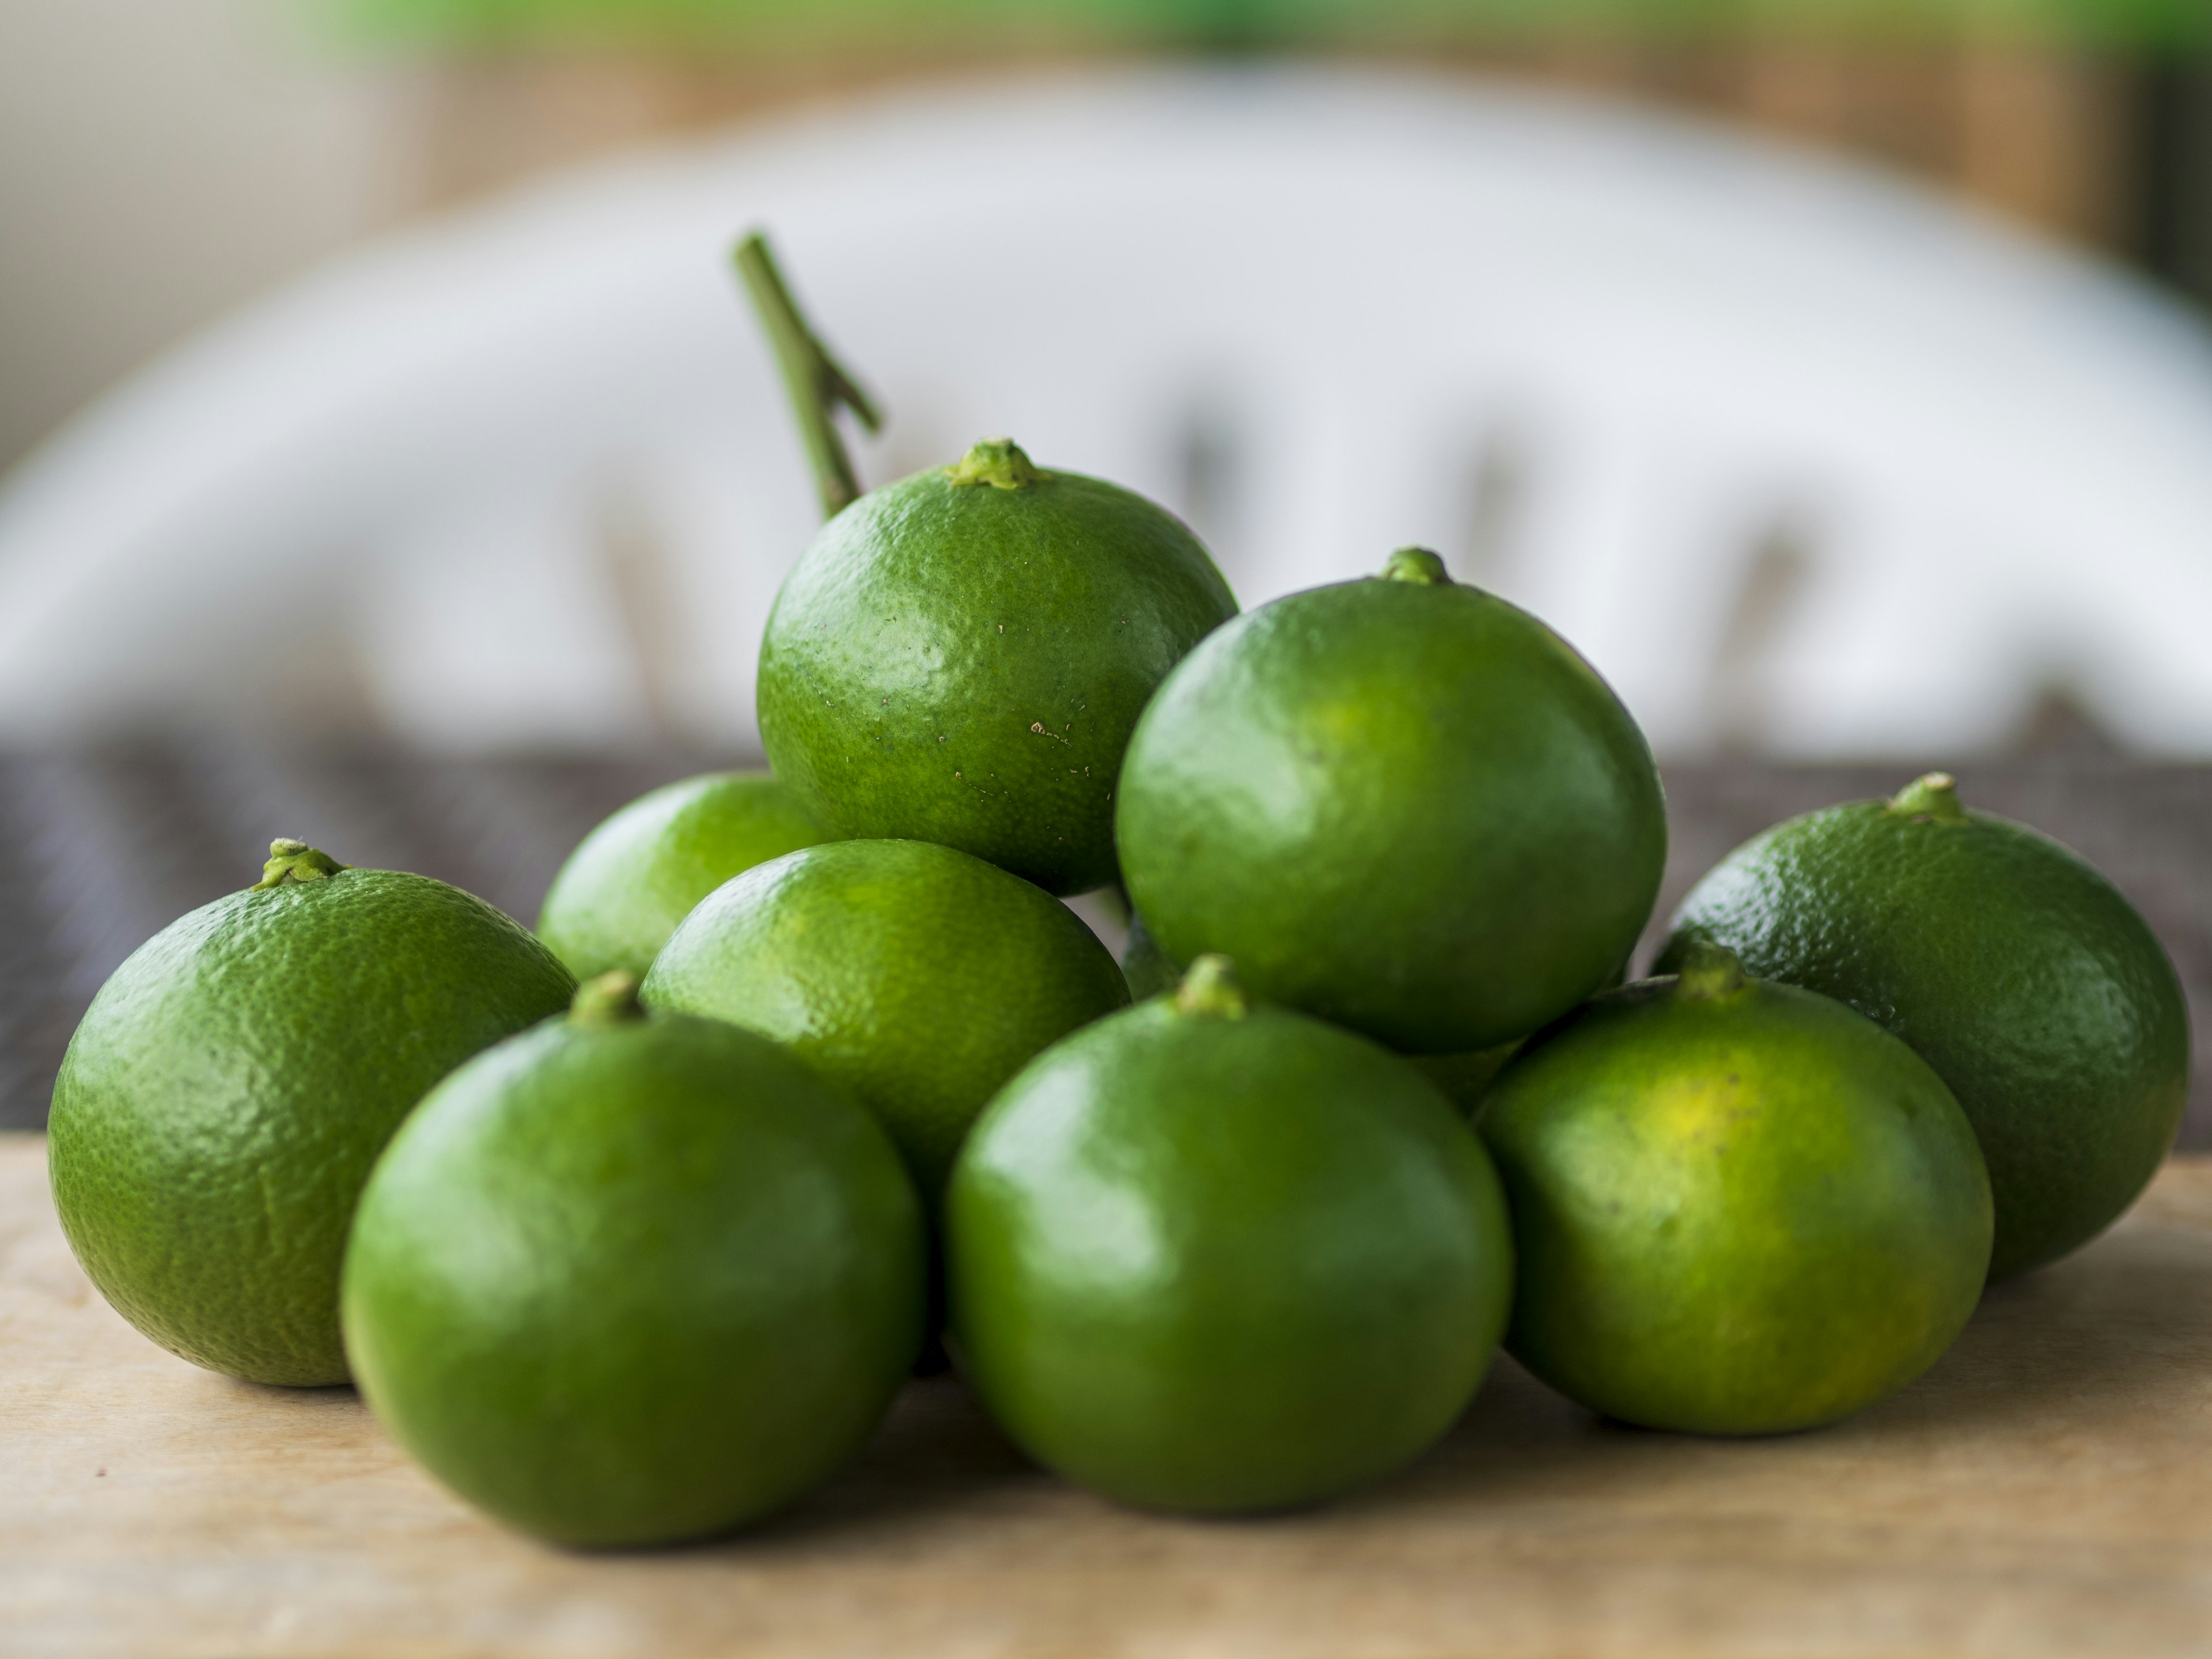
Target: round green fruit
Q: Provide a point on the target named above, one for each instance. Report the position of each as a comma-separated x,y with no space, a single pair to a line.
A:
628,882
1207,1255
2018,972
623,1280
1738,1207
959,658
228,1089
1400,803
919,978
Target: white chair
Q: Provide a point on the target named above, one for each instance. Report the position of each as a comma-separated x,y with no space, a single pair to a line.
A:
1801,457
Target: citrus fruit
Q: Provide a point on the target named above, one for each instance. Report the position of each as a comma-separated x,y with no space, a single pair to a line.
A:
1738,1207
222,1100
959,656
917,978
2018,972
1399,804
1211,1255
628,882
626,1280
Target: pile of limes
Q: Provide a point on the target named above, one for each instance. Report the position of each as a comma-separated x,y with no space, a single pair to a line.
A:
847,1089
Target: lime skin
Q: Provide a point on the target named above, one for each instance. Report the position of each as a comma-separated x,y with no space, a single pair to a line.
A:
2009,964
1738,1207
1217,1261
233,1081
1400,805
917,977
959,658
630,1282
621,893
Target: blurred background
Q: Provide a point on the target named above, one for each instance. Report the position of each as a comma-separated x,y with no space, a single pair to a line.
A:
386,457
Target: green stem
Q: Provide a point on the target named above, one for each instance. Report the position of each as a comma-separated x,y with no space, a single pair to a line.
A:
1210,990
609,999
1418,565
817,387
998,462
1709,972
1934,797
291,861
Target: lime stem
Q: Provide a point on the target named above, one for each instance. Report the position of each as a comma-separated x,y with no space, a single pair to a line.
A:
1416,564
998,462
1935,796
1709,972
608,999
293,860
817,387
1209,991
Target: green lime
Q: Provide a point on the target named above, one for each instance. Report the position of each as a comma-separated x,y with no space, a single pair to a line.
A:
1738,1207
624,1280
959,658
918,977
1214,1257
631,880
1399,804
2013,968
230,1086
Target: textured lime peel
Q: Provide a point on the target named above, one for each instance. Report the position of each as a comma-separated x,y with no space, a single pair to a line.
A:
1209,991
1934,798
293,860
934,623
610,999
1417,564
1709,972
998,462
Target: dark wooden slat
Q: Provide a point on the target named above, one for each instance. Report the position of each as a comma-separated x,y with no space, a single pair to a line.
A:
98,851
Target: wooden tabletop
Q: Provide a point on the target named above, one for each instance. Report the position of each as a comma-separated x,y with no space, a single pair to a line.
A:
2047,1489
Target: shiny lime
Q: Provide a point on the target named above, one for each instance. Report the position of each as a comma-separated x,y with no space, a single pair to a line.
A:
917,978
959,658
625,1280
1400,803
634,877
228,1089
2013,968
1207,1255
1738,1207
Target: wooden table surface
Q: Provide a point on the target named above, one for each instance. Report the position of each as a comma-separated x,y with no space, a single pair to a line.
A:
2046,1489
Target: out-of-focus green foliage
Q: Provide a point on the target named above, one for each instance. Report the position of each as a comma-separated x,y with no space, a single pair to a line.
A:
870,26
